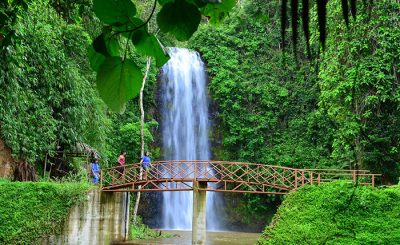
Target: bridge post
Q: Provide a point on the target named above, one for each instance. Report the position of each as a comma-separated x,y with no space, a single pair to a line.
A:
199,213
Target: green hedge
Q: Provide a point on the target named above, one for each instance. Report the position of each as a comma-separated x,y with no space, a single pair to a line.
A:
337,213
30,211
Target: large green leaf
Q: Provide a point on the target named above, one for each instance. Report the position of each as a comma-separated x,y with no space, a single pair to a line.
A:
118,81
112,44
99,45
179,18
126,29
114,12
95,59
218,11
148,44
162,2
106,44
198,3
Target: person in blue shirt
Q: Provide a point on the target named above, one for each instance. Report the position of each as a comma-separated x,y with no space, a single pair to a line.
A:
96,171
146,164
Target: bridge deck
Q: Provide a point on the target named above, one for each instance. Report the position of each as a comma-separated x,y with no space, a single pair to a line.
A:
223,177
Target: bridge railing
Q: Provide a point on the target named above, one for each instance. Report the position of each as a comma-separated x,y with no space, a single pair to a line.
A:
223,177
362,177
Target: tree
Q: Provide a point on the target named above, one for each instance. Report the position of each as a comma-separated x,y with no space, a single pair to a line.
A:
47,98
359,88
148,63
180,18
115,72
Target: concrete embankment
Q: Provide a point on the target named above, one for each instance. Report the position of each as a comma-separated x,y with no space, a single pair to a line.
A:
99,220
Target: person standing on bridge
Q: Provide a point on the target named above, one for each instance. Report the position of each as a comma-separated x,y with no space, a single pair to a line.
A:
95,171
146,164
121,162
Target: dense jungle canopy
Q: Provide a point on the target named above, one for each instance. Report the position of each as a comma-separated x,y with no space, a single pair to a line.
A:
338,108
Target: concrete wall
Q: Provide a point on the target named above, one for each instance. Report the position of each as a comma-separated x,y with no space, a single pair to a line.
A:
100,220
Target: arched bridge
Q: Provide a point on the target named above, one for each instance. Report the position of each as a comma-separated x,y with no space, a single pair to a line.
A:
221,176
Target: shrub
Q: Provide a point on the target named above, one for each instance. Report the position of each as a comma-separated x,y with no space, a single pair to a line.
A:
30,211
337,213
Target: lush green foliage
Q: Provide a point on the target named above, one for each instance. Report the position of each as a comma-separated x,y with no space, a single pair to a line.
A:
30,211
130,139
141,231
124,134
47,99
266,106
48,96
337,213
119,77
9,11
270,109
358,79
180,18
340,110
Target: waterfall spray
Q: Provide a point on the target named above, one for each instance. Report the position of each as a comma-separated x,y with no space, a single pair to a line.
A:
185,128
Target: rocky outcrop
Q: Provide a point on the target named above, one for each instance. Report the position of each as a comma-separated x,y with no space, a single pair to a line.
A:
7,162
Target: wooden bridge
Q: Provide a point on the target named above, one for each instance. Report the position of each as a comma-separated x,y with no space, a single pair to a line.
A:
218,176
222,176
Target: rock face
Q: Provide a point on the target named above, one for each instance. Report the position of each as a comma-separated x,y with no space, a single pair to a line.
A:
100,220
6,160
150,209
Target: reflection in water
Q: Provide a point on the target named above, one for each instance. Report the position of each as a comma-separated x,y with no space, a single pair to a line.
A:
213,238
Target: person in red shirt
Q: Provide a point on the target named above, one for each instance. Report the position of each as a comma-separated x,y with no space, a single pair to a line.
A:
121,162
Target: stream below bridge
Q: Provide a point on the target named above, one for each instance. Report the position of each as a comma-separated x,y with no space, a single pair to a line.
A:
213,238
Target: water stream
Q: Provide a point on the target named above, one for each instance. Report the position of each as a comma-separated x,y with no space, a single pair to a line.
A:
213,238
185,129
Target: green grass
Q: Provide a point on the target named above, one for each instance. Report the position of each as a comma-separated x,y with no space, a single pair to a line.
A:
141,231
337,213
30,211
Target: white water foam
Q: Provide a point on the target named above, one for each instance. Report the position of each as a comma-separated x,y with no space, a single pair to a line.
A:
185,129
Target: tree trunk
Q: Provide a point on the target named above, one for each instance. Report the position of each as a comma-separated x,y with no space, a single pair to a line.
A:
24,172
141,134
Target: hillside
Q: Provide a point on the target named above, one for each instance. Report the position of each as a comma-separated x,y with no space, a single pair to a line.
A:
337,213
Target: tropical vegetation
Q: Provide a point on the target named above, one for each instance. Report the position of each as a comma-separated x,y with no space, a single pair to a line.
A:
32,211
327,98
337,213
336,109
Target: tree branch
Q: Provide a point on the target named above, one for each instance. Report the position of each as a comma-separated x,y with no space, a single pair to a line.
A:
145,23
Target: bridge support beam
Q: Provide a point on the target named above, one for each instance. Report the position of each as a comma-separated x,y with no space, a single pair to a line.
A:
199,213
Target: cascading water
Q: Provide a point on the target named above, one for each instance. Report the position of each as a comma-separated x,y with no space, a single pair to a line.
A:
185,128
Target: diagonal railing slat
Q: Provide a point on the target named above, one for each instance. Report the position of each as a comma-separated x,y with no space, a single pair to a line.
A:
179,175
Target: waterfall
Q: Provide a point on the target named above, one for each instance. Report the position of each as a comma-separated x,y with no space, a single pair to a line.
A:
185,128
